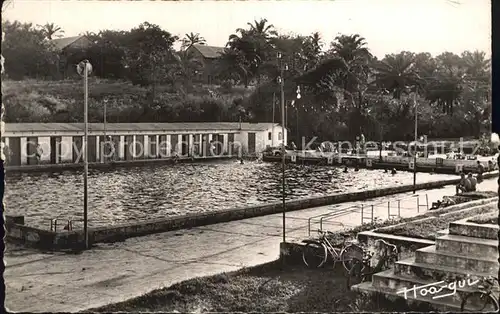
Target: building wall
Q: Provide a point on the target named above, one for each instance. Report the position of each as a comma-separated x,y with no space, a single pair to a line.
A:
207,74
70,145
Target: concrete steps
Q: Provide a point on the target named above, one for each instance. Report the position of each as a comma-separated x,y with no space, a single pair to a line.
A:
409,267
467,245
438,304
468,229
461,255
430,255
401,283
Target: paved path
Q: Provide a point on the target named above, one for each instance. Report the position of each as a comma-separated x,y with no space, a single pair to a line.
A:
38,282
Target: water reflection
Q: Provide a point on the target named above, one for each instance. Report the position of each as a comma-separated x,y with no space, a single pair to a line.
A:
134,193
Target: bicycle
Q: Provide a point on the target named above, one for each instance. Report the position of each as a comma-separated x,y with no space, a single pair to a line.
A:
316,252
362,270
482,300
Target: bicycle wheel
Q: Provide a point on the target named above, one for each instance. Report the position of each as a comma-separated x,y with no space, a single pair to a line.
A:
355,274
349,254
314,255
479,302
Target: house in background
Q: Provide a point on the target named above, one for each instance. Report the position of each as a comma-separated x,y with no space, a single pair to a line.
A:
207,55
71,50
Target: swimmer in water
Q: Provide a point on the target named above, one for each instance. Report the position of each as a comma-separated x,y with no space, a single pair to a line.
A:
393,171
345,169
356,168
241,161
385,170
330,175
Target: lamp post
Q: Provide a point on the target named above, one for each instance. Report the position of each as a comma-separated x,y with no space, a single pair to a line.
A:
297,113
84,68
106,144
416,137
281,81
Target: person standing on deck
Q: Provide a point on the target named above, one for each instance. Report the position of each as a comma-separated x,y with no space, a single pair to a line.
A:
480,170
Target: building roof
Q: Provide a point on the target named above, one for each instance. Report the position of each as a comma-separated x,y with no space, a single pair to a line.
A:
61,43
209,52
128,127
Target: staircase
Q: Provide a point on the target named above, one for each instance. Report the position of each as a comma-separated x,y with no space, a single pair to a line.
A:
467,249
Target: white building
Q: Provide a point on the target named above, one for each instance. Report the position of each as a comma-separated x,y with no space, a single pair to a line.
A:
53,143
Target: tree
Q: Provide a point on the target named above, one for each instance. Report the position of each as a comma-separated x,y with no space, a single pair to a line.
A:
28,53
50,30
396,73
185,68
191,39
149,56
356,57
233,66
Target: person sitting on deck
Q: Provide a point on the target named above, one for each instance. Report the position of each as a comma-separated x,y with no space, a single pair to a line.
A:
461,186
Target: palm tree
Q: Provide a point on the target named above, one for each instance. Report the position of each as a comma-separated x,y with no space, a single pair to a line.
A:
356,57
476,65
396,72
311,49
448,83
233,65
51,30
186,66
262,29
191,39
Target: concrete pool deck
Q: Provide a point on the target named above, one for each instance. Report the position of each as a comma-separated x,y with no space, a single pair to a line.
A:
110,273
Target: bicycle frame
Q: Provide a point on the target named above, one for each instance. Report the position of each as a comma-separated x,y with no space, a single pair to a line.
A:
334,252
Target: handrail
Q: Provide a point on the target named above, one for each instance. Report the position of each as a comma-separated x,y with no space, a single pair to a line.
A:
320,215
53,223
69,223
343,211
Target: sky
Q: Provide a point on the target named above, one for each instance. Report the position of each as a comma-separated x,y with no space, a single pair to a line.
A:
389,26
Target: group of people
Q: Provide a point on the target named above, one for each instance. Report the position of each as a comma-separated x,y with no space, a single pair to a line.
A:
468,183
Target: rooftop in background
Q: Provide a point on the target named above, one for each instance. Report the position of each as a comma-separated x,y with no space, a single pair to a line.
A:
209,52
176,126
61,43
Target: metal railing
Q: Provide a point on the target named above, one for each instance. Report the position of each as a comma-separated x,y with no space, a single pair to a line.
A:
367,211
54,222
340,212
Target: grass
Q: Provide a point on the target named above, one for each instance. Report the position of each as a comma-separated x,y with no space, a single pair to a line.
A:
264,288
336,238
489,218
57,101
427,229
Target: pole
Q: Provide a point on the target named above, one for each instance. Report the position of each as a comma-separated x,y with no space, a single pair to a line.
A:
415,152
85,162
297,111
272,131
105,137
283,159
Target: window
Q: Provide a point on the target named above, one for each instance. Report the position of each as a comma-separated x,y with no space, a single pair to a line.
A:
269,136
279,136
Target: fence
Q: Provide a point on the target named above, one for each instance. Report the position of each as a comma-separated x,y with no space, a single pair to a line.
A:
368,211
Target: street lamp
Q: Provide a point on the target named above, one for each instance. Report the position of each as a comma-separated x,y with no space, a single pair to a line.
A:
281,81
106,144
84,68
297,113
416,138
